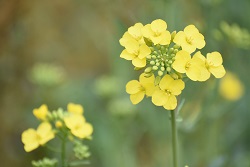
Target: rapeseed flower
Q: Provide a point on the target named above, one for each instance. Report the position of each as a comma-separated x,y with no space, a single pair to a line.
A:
194,67
190,39
78,126
138,89
136,52
32,138
41,112
230,87
75,108
168,90
156,32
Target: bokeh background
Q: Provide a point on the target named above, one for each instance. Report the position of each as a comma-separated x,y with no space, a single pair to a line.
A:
61,51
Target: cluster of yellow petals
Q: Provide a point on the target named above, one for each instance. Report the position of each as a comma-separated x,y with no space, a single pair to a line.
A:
71,121
171,57
32,138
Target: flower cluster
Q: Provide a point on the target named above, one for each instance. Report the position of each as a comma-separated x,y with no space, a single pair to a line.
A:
67,125
166,58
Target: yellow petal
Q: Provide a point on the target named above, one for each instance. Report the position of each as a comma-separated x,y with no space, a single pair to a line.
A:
144,51
75,108
188,47
171,103
181,59
29,138
193,73
159,98
82,131
41,112
179,38
138,97
165,38
125,38
158,26
45,133
165,82
132,46
190,30
126,55
199,55
176,86
218,71
137,62
214,58
198,40
133,87
147,31
135,30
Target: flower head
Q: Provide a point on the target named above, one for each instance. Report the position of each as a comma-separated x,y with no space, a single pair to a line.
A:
190,39
78,126
41,112
156,32
32,138
138,89
168,89
75,108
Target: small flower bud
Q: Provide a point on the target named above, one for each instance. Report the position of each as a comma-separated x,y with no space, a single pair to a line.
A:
176,46
157,64
176,50
162,68
170,61
173,58
153,57
173,35
148,56
155,52
137,68
157,80
58,124
155,68
162,64
158,46
147,75
152,48
171,50
172,55
160,73
168,69
152,62
148,70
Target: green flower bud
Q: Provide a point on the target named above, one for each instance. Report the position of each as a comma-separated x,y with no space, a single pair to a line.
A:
176,46
173,58
170,61
168,69
158,46
152,48
173,35
157,64
148,70
162,68
176,50
155,52
148,56
157,80
153,57
160,73
171,50
152,62
172,55
147,75
157,60
155,68
162,64
137,68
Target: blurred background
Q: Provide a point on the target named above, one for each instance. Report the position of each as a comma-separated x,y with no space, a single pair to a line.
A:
61,51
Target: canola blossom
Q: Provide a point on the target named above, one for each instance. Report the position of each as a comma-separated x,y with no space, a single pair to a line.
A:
41,112
166,59
32,138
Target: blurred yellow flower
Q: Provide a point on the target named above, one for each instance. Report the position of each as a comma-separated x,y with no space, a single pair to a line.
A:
156,32
58,124
168,89
190,39
41,112
32,138
230,87
75,108
194,67
138,89
78,126
136,52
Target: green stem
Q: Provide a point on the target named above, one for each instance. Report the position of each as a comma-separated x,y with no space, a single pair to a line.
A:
174,138
63,147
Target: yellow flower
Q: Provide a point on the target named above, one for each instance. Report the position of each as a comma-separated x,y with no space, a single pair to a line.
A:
156,32
190,39
58,124
75,108
138,89
194,67
214,64
230,87
134,32
41,112
78,126
136,52
32,138
168,89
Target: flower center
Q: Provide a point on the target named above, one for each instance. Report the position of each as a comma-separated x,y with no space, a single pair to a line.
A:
168,92
187,65
189,40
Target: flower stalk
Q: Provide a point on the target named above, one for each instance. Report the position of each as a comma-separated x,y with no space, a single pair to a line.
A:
174,138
